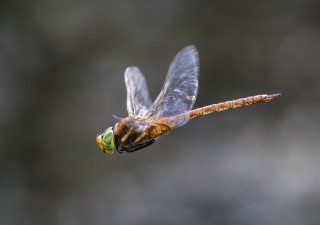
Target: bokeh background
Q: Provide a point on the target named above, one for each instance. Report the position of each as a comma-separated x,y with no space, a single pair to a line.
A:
61,80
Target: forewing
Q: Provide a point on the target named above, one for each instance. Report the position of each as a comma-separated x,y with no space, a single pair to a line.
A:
138,99
180,88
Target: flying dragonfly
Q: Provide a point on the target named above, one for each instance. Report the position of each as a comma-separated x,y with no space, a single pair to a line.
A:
172,108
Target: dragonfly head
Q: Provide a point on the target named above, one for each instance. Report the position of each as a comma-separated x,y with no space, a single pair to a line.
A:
105,141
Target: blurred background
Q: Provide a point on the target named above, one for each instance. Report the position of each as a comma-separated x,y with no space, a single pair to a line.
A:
61,80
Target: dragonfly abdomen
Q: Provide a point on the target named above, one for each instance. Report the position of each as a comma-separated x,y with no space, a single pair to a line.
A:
231,104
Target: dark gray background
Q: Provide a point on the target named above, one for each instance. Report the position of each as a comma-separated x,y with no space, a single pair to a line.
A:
61,80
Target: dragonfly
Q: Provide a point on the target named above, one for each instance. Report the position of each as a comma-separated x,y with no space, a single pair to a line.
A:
147,120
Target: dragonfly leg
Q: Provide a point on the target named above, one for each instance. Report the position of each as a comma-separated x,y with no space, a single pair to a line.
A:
139,146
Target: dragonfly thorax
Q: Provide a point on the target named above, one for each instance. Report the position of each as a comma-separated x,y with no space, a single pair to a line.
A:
133,133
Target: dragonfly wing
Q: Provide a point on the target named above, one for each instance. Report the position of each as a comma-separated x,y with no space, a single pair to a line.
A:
180,88
138,98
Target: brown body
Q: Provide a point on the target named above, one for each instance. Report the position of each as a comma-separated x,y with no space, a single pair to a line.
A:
133,133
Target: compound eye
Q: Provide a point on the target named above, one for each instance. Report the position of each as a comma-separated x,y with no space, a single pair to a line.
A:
105,141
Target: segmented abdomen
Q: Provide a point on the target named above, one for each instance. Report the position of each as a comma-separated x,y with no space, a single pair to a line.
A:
231,105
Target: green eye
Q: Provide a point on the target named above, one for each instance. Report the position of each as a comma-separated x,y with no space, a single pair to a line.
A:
107,140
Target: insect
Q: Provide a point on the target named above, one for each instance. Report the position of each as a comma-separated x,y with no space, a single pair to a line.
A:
148,121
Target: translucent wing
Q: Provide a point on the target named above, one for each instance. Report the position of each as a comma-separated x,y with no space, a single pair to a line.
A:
180,88
138,99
